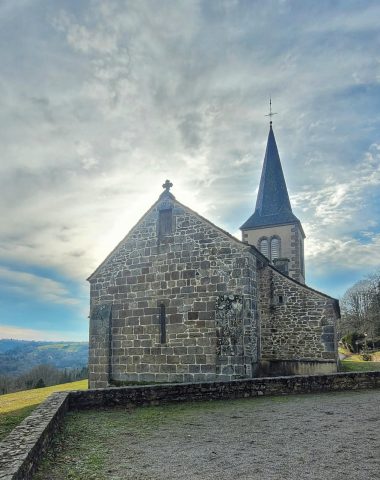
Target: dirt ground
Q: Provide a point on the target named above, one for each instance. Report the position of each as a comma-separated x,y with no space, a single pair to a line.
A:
327,436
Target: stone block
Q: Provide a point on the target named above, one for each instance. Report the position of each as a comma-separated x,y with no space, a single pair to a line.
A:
175,318
195,350
173,359
176,377
207,315
208,368
200,359
176,328
182,368
153,368
228,370
146,377
186,359
181,350
165,368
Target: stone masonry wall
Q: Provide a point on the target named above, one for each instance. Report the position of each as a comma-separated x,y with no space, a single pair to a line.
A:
296,322
189,271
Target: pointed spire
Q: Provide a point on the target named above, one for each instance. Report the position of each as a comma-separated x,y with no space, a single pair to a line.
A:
273,195
273,204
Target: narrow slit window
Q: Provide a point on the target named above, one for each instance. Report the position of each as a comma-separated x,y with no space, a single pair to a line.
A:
165,222
162,323
302,259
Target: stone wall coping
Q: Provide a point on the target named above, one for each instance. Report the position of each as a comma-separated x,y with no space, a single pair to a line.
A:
23,448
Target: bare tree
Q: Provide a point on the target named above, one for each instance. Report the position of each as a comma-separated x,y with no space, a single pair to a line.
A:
360,307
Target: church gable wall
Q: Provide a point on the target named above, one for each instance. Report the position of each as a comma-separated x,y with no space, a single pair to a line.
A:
190,271
296,323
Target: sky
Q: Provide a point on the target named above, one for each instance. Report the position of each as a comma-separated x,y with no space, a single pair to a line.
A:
101,101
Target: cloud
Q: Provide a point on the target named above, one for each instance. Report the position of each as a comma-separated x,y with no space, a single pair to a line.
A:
84,39
342,201
104,102
39,288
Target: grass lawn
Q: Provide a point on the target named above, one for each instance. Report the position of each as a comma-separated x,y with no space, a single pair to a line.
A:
358,366
14,407
355,363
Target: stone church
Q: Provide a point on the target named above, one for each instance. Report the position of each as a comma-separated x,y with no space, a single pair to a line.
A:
181,300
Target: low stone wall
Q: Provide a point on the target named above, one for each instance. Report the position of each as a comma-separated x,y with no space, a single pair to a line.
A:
22,450
181,392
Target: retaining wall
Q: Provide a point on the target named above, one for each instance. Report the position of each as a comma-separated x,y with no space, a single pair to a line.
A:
181,392
22,450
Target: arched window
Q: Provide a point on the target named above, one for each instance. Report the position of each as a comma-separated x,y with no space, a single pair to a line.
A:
275,248
263,246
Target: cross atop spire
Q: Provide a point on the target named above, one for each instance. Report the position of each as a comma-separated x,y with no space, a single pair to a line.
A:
270,114
167,185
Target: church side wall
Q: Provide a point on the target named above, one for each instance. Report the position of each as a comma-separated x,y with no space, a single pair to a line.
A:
207,283
297,327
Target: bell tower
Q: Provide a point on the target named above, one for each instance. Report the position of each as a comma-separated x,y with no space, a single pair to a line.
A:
273,228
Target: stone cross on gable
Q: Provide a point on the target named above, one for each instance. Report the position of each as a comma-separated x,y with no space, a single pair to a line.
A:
167,185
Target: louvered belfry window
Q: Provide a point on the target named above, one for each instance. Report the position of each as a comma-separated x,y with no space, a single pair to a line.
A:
263,246
165,222
274,248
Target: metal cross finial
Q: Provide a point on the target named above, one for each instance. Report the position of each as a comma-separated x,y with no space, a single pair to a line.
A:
167,185
270,114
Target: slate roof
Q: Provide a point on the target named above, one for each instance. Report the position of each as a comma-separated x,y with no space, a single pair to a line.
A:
273,204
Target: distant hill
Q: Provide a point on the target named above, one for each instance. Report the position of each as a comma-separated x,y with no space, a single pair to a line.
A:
19,356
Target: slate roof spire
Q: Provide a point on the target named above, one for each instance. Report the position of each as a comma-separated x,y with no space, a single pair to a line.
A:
273,204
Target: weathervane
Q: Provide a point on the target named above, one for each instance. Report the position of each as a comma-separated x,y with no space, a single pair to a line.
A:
270,114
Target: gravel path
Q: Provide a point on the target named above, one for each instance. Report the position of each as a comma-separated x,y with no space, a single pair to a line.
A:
330,436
